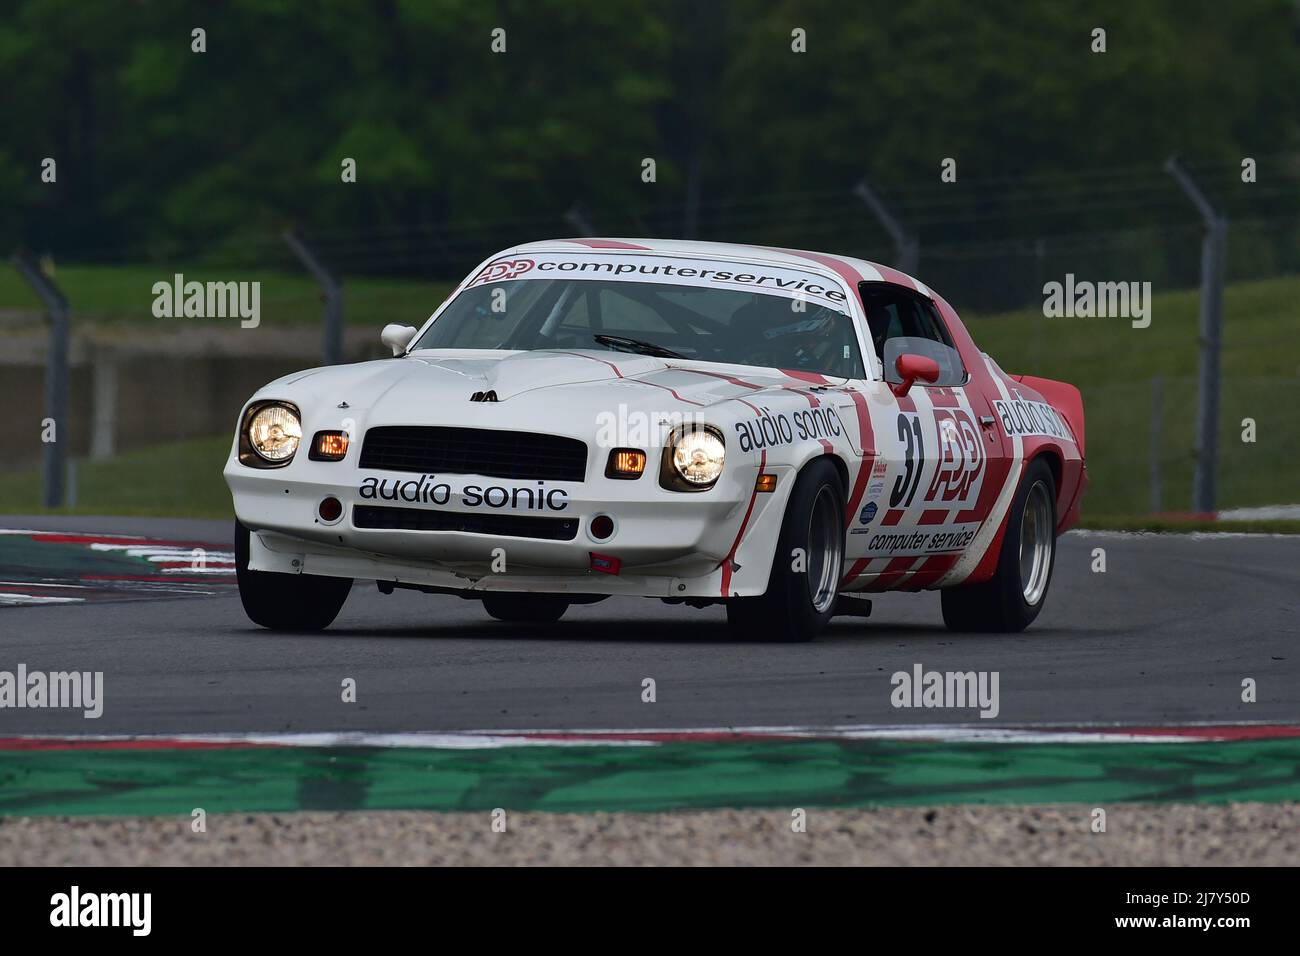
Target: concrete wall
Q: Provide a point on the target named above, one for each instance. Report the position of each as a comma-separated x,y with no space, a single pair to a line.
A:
166,390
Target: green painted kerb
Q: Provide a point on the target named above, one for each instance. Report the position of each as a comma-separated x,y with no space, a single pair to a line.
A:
665,777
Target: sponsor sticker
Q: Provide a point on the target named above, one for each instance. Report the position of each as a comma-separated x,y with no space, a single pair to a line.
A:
770,431
1021,418
960,462
427,490
502,270
918,541
668,270
953,459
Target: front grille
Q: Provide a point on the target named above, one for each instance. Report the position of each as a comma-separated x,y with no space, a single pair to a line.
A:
474,451
510,526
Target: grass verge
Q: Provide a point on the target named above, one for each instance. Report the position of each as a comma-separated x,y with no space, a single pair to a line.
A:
182,479
122,294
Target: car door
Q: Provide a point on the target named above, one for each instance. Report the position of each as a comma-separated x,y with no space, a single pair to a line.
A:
920,509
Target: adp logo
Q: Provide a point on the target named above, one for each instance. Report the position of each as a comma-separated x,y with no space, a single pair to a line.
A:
961,457
503,269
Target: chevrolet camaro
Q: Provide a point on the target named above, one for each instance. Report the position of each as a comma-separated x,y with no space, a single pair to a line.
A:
776,431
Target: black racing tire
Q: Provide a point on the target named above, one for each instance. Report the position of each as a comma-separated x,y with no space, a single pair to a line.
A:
286,602
799,602
525,608
1010,600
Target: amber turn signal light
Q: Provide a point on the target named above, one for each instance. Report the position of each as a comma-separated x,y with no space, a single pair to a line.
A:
625,463
329,446
766,483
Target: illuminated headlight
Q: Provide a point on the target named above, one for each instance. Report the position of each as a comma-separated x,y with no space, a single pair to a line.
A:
274,433
697,456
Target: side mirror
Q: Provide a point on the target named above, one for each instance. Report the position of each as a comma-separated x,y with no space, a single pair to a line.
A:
910,367
397,337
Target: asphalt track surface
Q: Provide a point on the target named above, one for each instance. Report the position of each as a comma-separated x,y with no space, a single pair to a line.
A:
1166,635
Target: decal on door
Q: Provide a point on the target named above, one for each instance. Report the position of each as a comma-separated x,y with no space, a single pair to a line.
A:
961,458
958,462
909,431
936,473
928,483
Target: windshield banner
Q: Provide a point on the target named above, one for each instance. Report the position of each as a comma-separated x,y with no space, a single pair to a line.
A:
665,270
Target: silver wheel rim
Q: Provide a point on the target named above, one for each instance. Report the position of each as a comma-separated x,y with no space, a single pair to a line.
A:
1037,539
825,549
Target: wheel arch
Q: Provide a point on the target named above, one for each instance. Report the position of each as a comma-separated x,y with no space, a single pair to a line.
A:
809,453
755,549
1067,488
1055,461
841,466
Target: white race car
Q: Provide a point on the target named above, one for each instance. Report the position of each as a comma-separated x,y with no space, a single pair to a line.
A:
781,432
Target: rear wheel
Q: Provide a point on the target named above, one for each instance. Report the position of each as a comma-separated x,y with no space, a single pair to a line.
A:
805,576
286,602
525,608
1012,598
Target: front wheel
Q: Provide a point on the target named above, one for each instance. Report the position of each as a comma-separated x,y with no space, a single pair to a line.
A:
286,602
805,576
1011,599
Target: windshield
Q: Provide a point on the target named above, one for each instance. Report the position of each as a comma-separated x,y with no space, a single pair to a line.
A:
734,326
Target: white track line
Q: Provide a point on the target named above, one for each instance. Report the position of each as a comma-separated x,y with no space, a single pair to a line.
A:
39,584
1166,535
491,739
14,600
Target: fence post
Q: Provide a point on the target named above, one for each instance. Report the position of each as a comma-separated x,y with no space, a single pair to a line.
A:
56,377
906,246
1157,416
331,290
103,412
1213,256
72,482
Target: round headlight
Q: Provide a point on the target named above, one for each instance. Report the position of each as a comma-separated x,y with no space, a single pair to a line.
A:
274,433
698,455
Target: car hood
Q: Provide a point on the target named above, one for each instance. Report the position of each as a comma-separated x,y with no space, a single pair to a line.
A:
395,389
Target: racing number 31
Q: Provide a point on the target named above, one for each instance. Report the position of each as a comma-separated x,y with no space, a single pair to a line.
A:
909,430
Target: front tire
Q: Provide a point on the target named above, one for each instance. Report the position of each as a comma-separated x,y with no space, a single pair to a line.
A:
1010,600
800,596
525,608
286,602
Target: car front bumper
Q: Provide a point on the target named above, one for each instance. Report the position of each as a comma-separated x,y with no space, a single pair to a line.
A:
666,543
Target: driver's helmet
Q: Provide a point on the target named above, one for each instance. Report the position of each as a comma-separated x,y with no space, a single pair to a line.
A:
791,338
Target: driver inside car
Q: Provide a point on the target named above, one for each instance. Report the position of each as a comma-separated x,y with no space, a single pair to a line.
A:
781,337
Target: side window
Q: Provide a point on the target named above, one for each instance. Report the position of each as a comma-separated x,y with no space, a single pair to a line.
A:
904,322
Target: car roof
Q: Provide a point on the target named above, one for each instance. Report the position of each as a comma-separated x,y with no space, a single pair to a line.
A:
848,268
